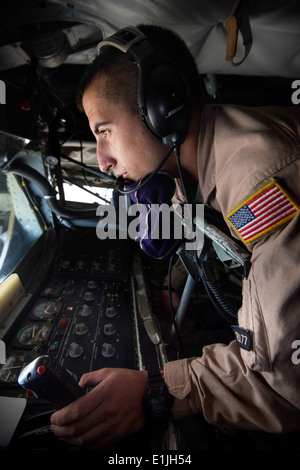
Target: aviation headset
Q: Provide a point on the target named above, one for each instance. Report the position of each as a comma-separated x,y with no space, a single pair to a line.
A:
163,93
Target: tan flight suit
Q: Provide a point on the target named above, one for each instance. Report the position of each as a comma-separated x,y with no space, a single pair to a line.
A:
239,151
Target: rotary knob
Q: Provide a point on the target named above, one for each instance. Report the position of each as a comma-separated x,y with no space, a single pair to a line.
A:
111,312
92,284
89,296
108,350
85,311
109,329
81,265
97,265
75,350
81,329
66,264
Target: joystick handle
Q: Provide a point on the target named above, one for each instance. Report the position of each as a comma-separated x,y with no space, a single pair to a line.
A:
47,379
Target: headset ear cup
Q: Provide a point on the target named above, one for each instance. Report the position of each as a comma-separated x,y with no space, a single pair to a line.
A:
166,102
142,113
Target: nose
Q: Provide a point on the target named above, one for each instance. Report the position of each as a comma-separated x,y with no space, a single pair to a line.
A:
105,161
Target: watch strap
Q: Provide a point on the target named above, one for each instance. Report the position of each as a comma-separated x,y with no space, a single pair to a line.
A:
157,400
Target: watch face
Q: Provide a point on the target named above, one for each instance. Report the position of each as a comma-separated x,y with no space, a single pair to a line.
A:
157,400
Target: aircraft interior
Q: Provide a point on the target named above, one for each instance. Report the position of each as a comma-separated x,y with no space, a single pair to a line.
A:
65,293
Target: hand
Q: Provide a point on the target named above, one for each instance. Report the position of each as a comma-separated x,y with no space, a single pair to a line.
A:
111,411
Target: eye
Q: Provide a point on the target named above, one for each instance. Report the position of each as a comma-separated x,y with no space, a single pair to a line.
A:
104,132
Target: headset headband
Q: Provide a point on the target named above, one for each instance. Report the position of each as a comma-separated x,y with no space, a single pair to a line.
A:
123,39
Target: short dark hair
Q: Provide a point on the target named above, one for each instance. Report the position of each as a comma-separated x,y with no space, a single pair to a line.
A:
122,73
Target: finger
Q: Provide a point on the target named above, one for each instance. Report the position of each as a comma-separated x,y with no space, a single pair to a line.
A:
99,425
93,434
78,427
78,431
97,437
77,409
85,404
91,379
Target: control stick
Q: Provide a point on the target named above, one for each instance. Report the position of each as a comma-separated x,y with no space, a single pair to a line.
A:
47,379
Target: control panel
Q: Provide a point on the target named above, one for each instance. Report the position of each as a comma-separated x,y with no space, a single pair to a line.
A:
83,316
85,324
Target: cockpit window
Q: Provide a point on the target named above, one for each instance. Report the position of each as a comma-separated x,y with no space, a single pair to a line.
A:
19,225
87,194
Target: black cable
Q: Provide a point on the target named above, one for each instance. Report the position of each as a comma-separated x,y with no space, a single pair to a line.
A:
221,299
181,349
216,305
216,296
34,176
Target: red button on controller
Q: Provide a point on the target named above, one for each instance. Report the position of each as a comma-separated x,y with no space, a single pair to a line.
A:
41,370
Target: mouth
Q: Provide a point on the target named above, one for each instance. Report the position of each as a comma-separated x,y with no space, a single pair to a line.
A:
123,175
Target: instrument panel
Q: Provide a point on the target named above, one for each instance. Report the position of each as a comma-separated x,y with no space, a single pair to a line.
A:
83,323
83,315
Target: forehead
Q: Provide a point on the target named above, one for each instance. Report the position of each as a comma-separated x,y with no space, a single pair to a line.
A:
95,94
99,99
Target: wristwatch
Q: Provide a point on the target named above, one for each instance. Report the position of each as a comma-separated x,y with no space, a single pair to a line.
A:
157,400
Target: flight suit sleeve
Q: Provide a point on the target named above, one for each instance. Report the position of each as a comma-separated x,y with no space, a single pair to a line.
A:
257,388
227,392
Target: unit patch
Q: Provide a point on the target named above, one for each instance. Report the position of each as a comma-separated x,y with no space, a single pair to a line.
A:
262,212
242,337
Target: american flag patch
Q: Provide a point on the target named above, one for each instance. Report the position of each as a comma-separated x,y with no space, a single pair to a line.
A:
262,212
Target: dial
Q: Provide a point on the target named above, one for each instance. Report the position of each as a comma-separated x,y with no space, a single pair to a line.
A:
44,310
32,334
51,291
9,372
